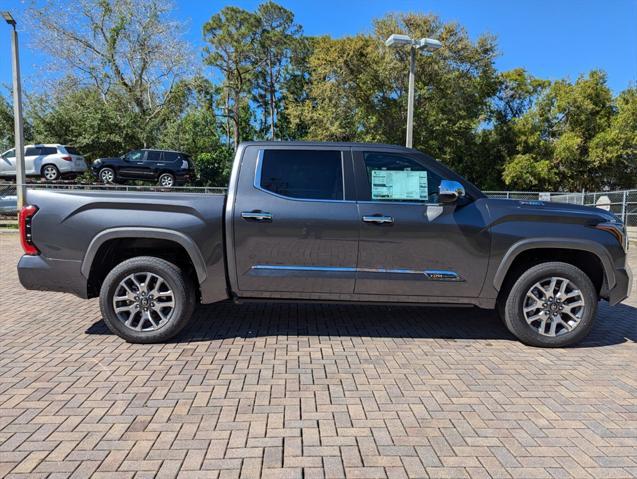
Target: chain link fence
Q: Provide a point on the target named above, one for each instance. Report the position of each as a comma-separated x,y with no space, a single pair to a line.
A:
622,203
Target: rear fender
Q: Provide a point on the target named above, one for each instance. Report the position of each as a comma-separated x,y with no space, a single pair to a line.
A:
158,233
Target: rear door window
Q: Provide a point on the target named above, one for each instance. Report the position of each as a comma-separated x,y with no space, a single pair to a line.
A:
153,156
302,174
48,150
170,156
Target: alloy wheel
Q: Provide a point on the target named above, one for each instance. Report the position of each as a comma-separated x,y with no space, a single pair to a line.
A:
107,175
554,306
50,173
144,301
166,180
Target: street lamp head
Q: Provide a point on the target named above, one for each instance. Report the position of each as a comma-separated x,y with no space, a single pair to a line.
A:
397,40
429,44
8,18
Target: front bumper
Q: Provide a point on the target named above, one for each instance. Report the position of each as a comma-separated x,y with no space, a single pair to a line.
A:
44,274
623,286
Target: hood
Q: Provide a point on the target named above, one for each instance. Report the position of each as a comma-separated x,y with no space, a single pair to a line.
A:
549,211
108,159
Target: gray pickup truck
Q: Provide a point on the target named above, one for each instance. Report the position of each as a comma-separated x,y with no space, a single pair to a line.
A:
326,222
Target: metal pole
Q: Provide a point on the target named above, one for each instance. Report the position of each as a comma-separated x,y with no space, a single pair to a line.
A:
410,97
624,198
17,120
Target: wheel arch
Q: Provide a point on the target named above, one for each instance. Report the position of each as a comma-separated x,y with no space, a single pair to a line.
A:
162,239
589,256
48,163
166,172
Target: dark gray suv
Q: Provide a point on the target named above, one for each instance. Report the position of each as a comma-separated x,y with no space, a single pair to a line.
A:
327,222
167,168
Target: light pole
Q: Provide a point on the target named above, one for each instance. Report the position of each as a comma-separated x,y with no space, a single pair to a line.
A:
17,114
428,44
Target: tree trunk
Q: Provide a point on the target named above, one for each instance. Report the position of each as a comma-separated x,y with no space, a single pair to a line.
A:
227,113
235,115
271,85
264,112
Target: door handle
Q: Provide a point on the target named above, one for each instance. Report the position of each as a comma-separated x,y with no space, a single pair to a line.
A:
379,220
256,215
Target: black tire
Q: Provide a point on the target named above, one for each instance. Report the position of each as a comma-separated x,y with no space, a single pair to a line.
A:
514,317
50,173
500,309
181,287
107,175
166,180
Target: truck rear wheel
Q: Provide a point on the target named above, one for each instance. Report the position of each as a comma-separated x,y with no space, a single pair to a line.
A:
551,305
146,300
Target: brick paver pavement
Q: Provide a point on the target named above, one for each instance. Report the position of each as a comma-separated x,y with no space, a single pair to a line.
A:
309,391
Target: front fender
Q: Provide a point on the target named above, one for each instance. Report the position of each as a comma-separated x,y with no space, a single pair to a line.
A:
562,243
140,232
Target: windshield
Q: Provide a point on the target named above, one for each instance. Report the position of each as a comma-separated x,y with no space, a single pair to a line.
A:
9,154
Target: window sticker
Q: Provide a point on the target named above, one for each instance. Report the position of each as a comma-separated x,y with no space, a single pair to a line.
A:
399,185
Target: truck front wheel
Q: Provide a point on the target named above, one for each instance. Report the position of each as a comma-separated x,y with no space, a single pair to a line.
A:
551,305
146,300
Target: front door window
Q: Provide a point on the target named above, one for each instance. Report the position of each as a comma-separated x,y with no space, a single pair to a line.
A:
136,155
397,178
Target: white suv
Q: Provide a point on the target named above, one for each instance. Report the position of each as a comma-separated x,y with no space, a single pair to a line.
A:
50,161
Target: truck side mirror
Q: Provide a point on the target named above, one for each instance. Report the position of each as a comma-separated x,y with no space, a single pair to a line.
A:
450,191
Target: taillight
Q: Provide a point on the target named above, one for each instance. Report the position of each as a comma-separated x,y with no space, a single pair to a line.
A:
67,158
26,235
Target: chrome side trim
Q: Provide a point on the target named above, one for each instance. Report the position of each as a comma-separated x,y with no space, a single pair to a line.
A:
303,268
279,271
283,270
389,270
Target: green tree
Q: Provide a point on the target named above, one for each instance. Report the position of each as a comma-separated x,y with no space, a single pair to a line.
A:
232,36
614,150
358,89
6,125
117,47
78,116
557,133
278,40
295,90
496,143
196,131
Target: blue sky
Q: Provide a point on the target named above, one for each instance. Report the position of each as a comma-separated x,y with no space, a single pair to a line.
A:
551,39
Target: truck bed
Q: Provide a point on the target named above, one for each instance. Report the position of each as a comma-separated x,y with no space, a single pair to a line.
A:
71,226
